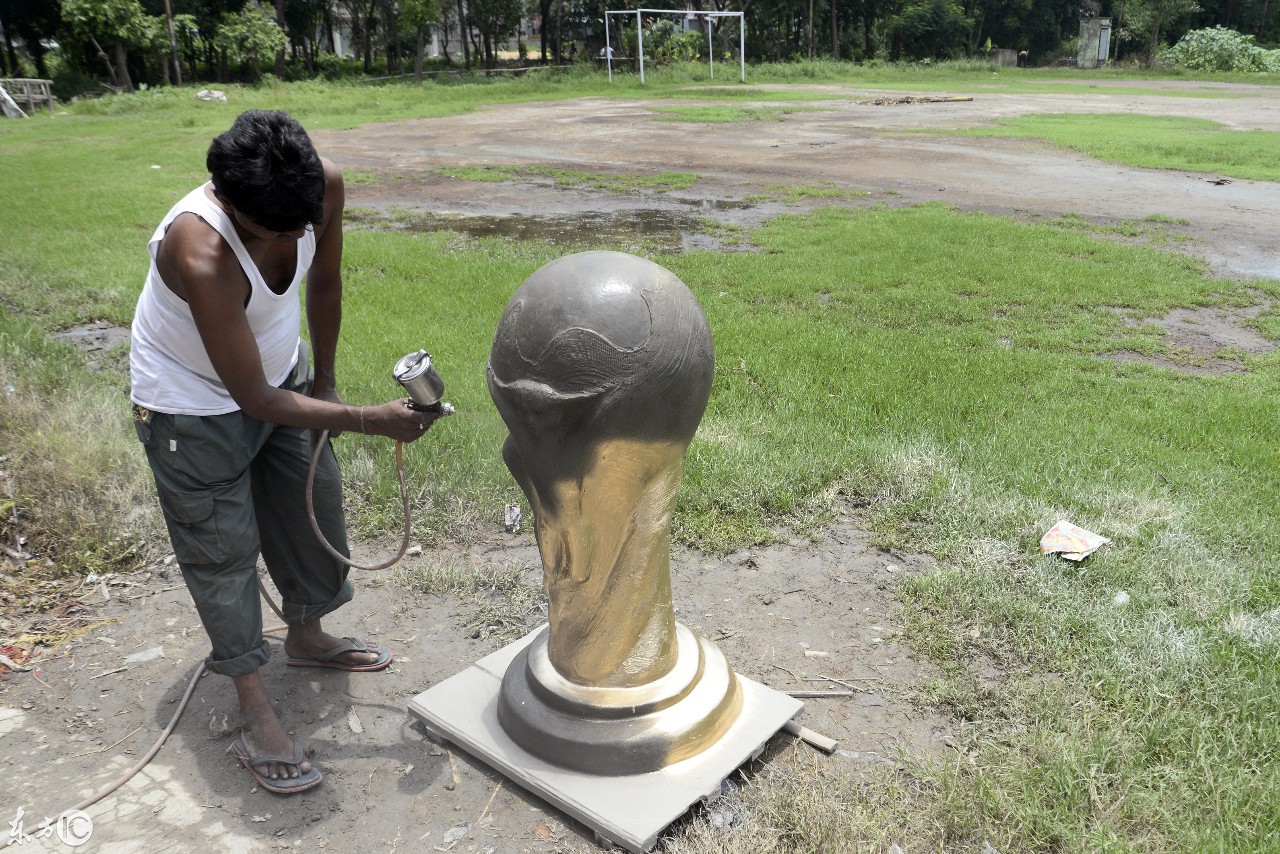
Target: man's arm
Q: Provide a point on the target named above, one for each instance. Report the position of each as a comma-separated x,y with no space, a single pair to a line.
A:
324,287
214,286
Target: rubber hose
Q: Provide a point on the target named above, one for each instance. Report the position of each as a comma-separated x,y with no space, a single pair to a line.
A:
315,526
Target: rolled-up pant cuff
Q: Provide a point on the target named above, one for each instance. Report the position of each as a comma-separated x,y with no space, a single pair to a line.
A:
297,612
241,665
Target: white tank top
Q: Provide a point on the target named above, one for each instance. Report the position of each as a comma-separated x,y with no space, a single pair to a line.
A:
168,365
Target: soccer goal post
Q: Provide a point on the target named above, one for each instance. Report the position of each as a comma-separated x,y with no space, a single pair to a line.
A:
708,16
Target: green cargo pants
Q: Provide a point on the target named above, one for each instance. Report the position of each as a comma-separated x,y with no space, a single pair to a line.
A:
232,487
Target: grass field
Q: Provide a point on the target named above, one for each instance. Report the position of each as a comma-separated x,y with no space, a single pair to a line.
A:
940,368
1156,142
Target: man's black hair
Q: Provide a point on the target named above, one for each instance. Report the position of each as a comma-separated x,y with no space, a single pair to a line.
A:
266,167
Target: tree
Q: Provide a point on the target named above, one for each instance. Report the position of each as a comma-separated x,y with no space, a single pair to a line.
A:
121,24
33,21
1150,17
464,24
187,30
250,37
930,28
278,70
420,14
303,19
495,20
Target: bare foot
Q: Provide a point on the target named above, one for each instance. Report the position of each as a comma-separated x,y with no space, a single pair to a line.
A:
308,640
263,732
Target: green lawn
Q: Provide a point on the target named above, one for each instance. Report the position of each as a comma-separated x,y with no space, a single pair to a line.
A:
943,369
1156,142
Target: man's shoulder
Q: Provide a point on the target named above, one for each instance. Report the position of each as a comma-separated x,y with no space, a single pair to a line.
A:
331,171
190,231
196,248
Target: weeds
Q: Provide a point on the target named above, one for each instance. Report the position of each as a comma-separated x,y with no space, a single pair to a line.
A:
82,494
501,599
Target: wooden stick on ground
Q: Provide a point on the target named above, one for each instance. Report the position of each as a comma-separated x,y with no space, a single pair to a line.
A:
826,745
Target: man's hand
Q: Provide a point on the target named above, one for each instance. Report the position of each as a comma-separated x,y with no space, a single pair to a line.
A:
397,421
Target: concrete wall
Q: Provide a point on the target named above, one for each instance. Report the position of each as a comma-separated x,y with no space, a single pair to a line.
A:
1095,42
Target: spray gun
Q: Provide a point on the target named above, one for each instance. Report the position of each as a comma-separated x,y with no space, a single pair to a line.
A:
421,380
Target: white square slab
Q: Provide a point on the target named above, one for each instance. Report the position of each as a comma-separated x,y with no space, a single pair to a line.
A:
630,811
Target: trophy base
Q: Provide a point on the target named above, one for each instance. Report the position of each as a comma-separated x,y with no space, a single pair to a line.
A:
618,731
628,810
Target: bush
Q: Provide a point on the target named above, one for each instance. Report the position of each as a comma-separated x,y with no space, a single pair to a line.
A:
70,82
331,66
1221,49
664,43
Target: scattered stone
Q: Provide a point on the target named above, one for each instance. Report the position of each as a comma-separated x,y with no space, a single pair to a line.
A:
145,655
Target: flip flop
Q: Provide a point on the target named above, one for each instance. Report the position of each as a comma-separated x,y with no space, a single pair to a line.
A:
350,645
284,785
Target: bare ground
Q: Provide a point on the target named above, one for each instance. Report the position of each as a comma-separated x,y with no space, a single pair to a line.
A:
78,720
786,615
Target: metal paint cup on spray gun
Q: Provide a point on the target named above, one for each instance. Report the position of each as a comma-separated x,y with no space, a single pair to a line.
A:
422,382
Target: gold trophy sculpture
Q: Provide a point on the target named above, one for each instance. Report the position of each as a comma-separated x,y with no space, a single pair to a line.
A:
601,368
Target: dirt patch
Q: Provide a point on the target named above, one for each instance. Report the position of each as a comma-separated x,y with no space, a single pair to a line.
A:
845,145
103,342
1211,340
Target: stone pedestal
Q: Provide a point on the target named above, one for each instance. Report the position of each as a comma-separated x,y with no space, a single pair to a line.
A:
629,810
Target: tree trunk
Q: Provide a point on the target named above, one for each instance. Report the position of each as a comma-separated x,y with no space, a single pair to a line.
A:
835,34
809,30
391,38
544,12
1117,23
1155,39
279,63
559,31
10,58
393,21
976,41
173,44
462,34
419,50
122,68
37,56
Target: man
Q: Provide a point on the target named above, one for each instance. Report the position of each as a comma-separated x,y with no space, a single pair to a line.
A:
224,402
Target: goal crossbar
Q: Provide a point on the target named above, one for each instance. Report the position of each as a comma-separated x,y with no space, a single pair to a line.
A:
711,60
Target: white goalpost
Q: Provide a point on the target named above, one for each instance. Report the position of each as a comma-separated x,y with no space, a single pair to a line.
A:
742,37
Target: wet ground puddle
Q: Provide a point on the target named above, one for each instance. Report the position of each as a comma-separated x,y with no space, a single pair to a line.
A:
661,229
